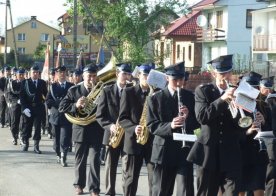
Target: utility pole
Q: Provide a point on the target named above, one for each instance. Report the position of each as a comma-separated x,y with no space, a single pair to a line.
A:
75,32
8,5
14,41
6,38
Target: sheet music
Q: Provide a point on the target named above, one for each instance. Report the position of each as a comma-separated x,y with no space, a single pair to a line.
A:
184,137
247,90
245,102
157,79
264,134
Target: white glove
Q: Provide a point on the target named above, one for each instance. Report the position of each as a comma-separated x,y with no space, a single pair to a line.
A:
27,112
18,101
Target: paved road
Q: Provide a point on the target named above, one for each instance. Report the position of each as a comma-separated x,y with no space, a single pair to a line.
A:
29,174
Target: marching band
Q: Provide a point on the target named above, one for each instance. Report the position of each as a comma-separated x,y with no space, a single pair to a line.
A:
135,123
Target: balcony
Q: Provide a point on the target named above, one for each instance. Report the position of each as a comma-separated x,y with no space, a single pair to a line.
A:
264,43
210,35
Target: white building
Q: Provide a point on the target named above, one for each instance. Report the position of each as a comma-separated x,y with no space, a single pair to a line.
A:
264,38
226,28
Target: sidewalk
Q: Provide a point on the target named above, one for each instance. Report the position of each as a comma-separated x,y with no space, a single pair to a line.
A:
30,174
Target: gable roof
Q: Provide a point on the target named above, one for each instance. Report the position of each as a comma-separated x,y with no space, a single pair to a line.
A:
186,25
204,3
31,21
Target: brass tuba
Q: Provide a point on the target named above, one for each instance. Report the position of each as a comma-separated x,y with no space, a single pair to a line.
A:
87,115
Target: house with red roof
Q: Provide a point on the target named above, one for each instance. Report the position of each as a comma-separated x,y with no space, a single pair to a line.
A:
213,28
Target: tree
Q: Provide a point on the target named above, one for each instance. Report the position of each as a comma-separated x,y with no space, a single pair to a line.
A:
39,53
129,22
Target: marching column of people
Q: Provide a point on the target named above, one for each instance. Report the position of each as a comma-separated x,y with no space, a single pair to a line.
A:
224,151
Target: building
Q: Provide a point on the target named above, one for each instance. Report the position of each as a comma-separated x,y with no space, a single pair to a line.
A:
264,39
89,40
178,42
226,29
221,27
29,34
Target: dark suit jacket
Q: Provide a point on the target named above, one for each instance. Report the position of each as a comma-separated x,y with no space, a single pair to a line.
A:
217,147
108,109
131,106
92,133
55,95
13,92
39,93
161,111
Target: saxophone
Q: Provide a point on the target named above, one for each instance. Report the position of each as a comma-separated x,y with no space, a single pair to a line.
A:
143,137
117,136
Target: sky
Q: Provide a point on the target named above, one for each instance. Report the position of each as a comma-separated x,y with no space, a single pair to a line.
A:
46,11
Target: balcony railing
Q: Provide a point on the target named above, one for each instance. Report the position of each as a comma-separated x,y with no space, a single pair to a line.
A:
209,35
264,43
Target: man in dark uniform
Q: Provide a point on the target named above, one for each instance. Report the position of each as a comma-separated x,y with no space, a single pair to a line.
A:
268,95
107,116
32,96
131,111
165,117
3,90
88,138
15,110
61,127
217,150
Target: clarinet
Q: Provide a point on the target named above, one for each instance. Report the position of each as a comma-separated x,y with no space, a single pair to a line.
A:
180,104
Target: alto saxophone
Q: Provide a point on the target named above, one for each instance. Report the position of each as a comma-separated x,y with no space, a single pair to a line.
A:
143,137
116,136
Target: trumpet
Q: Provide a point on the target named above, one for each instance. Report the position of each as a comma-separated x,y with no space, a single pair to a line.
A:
244,121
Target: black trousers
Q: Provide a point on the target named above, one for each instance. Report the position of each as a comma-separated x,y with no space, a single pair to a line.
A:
270,187
131,166
83,150
209,182
3,106
111,163
15,114
34,120
164,178
62,138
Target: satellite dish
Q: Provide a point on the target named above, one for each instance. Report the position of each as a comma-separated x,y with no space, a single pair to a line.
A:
259,30
201,21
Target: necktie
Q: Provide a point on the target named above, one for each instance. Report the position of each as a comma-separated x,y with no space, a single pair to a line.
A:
62,85
35,83
175,95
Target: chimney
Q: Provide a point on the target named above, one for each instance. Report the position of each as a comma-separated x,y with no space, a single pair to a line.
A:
33,17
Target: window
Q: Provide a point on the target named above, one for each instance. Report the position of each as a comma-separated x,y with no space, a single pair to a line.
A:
178,51
183,53
168,50
249,18
21,50
44,37
209,18
219,19
21,37
33,25
190,52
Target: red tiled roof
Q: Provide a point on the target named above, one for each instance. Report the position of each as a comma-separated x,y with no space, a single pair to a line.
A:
185,25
